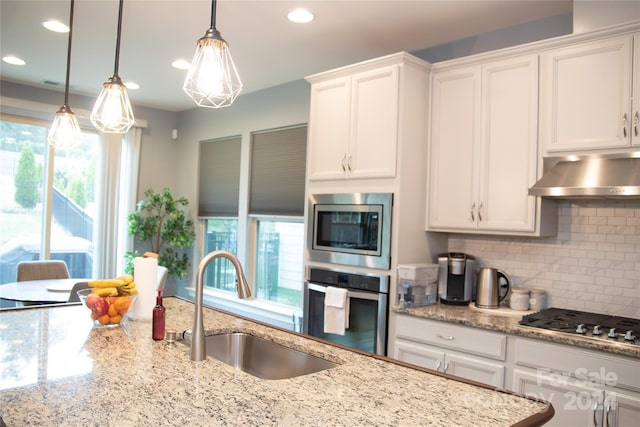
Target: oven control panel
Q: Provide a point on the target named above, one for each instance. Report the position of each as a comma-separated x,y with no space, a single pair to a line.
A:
348,280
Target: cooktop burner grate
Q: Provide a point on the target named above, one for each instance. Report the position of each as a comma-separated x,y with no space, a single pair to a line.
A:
597,326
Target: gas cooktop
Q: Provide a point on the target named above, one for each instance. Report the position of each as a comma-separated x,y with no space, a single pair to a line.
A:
592,325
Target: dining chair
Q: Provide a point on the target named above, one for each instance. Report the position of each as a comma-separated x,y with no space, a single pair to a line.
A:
41,270
73,296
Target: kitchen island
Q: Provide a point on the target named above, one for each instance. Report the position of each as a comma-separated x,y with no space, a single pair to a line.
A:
57,370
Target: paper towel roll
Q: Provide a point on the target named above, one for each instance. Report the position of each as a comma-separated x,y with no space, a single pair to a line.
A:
145,275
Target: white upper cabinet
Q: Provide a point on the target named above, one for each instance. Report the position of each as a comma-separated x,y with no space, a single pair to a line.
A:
353,126
586,96
483,148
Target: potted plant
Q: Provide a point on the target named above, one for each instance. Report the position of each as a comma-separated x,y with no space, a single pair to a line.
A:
160,221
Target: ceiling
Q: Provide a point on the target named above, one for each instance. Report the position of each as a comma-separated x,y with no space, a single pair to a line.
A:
268,50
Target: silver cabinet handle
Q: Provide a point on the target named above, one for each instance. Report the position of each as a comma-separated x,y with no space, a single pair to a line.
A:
446,367
480,206
349,163
438,365
624,125
595,411
473,212
636,119
446,337
344,163
606,415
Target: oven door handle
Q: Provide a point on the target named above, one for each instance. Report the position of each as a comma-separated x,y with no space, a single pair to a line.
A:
350,293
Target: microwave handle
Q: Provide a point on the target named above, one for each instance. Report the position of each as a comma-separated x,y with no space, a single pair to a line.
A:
350,294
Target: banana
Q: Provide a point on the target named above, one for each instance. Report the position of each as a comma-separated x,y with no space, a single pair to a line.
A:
126,278
105,283
105,292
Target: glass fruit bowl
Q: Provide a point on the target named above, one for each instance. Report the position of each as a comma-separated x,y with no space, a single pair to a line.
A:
106,312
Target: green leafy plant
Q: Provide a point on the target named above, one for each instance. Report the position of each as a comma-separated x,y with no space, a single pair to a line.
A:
160,221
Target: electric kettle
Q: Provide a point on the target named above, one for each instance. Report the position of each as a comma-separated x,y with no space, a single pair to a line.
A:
493,287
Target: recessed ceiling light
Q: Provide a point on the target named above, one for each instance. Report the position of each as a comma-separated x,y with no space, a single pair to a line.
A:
181,64
300,16
57,26
13,60
132,85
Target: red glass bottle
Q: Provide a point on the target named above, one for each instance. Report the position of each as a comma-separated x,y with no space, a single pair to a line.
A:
158,318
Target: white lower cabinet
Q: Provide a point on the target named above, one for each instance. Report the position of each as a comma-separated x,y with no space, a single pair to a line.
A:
465,352
586,388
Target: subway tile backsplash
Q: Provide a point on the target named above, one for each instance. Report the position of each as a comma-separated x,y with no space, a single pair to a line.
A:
592,264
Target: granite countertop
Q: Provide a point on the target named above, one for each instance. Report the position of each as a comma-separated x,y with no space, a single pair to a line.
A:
57,370
499,321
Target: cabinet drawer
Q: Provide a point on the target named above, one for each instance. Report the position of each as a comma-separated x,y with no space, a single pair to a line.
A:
446,335
591,366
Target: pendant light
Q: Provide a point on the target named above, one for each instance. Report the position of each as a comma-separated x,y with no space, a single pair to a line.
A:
112,112
212,80
65,130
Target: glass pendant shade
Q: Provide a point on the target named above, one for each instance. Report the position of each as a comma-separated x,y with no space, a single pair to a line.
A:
65,131
112,112
212,80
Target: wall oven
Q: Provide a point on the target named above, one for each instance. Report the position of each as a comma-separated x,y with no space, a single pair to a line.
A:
368,299
350,229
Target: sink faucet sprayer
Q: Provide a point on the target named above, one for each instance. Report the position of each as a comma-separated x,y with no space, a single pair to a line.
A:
198,346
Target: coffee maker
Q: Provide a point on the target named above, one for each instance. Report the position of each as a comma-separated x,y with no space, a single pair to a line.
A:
456,278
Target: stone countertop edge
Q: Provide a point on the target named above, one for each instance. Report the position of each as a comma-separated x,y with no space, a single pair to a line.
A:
57,370
484,319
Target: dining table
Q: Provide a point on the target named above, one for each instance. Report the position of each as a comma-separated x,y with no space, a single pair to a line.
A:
45,291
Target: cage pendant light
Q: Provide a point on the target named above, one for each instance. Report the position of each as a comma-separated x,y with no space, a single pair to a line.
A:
212,80
65,130
112,111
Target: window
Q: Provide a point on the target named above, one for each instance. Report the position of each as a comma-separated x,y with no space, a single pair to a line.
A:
219,179
221,234
252,204
31,174
277,210
279,269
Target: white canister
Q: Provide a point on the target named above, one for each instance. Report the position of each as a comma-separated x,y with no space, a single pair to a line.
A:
519,299
538,299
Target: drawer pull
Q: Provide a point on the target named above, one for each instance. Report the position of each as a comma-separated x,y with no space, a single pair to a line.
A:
438,365
446,337
624,125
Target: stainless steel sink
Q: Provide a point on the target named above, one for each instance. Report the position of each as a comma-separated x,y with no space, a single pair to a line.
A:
263,358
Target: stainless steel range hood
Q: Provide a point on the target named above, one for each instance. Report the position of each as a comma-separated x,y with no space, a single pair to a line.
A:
606,176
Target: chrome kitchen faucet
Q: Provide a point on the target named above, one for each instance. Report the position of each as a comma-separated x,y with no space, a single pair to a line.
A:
198,346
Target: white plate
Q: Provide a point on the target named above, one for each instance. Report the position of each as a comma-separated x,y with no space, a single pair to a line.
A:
61,287
502,311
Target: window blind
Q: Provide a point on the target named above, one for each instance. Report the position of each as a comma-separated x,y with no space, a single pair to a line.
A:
219,177
278,159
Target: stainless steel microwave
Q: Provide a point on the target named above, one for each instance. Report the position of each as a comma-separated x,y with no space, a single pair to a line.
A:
350,229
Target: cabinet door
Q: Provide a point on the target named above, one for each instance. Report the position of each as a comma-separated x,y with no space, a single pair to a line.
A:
509,144
419,355
374,124
328,139
455,129
575,404
586,96
635,109
475,369
621,409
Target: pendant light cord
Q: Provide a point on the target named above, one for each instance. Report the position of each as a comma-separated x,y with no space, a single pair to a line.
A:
66,86
213,13
115,68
